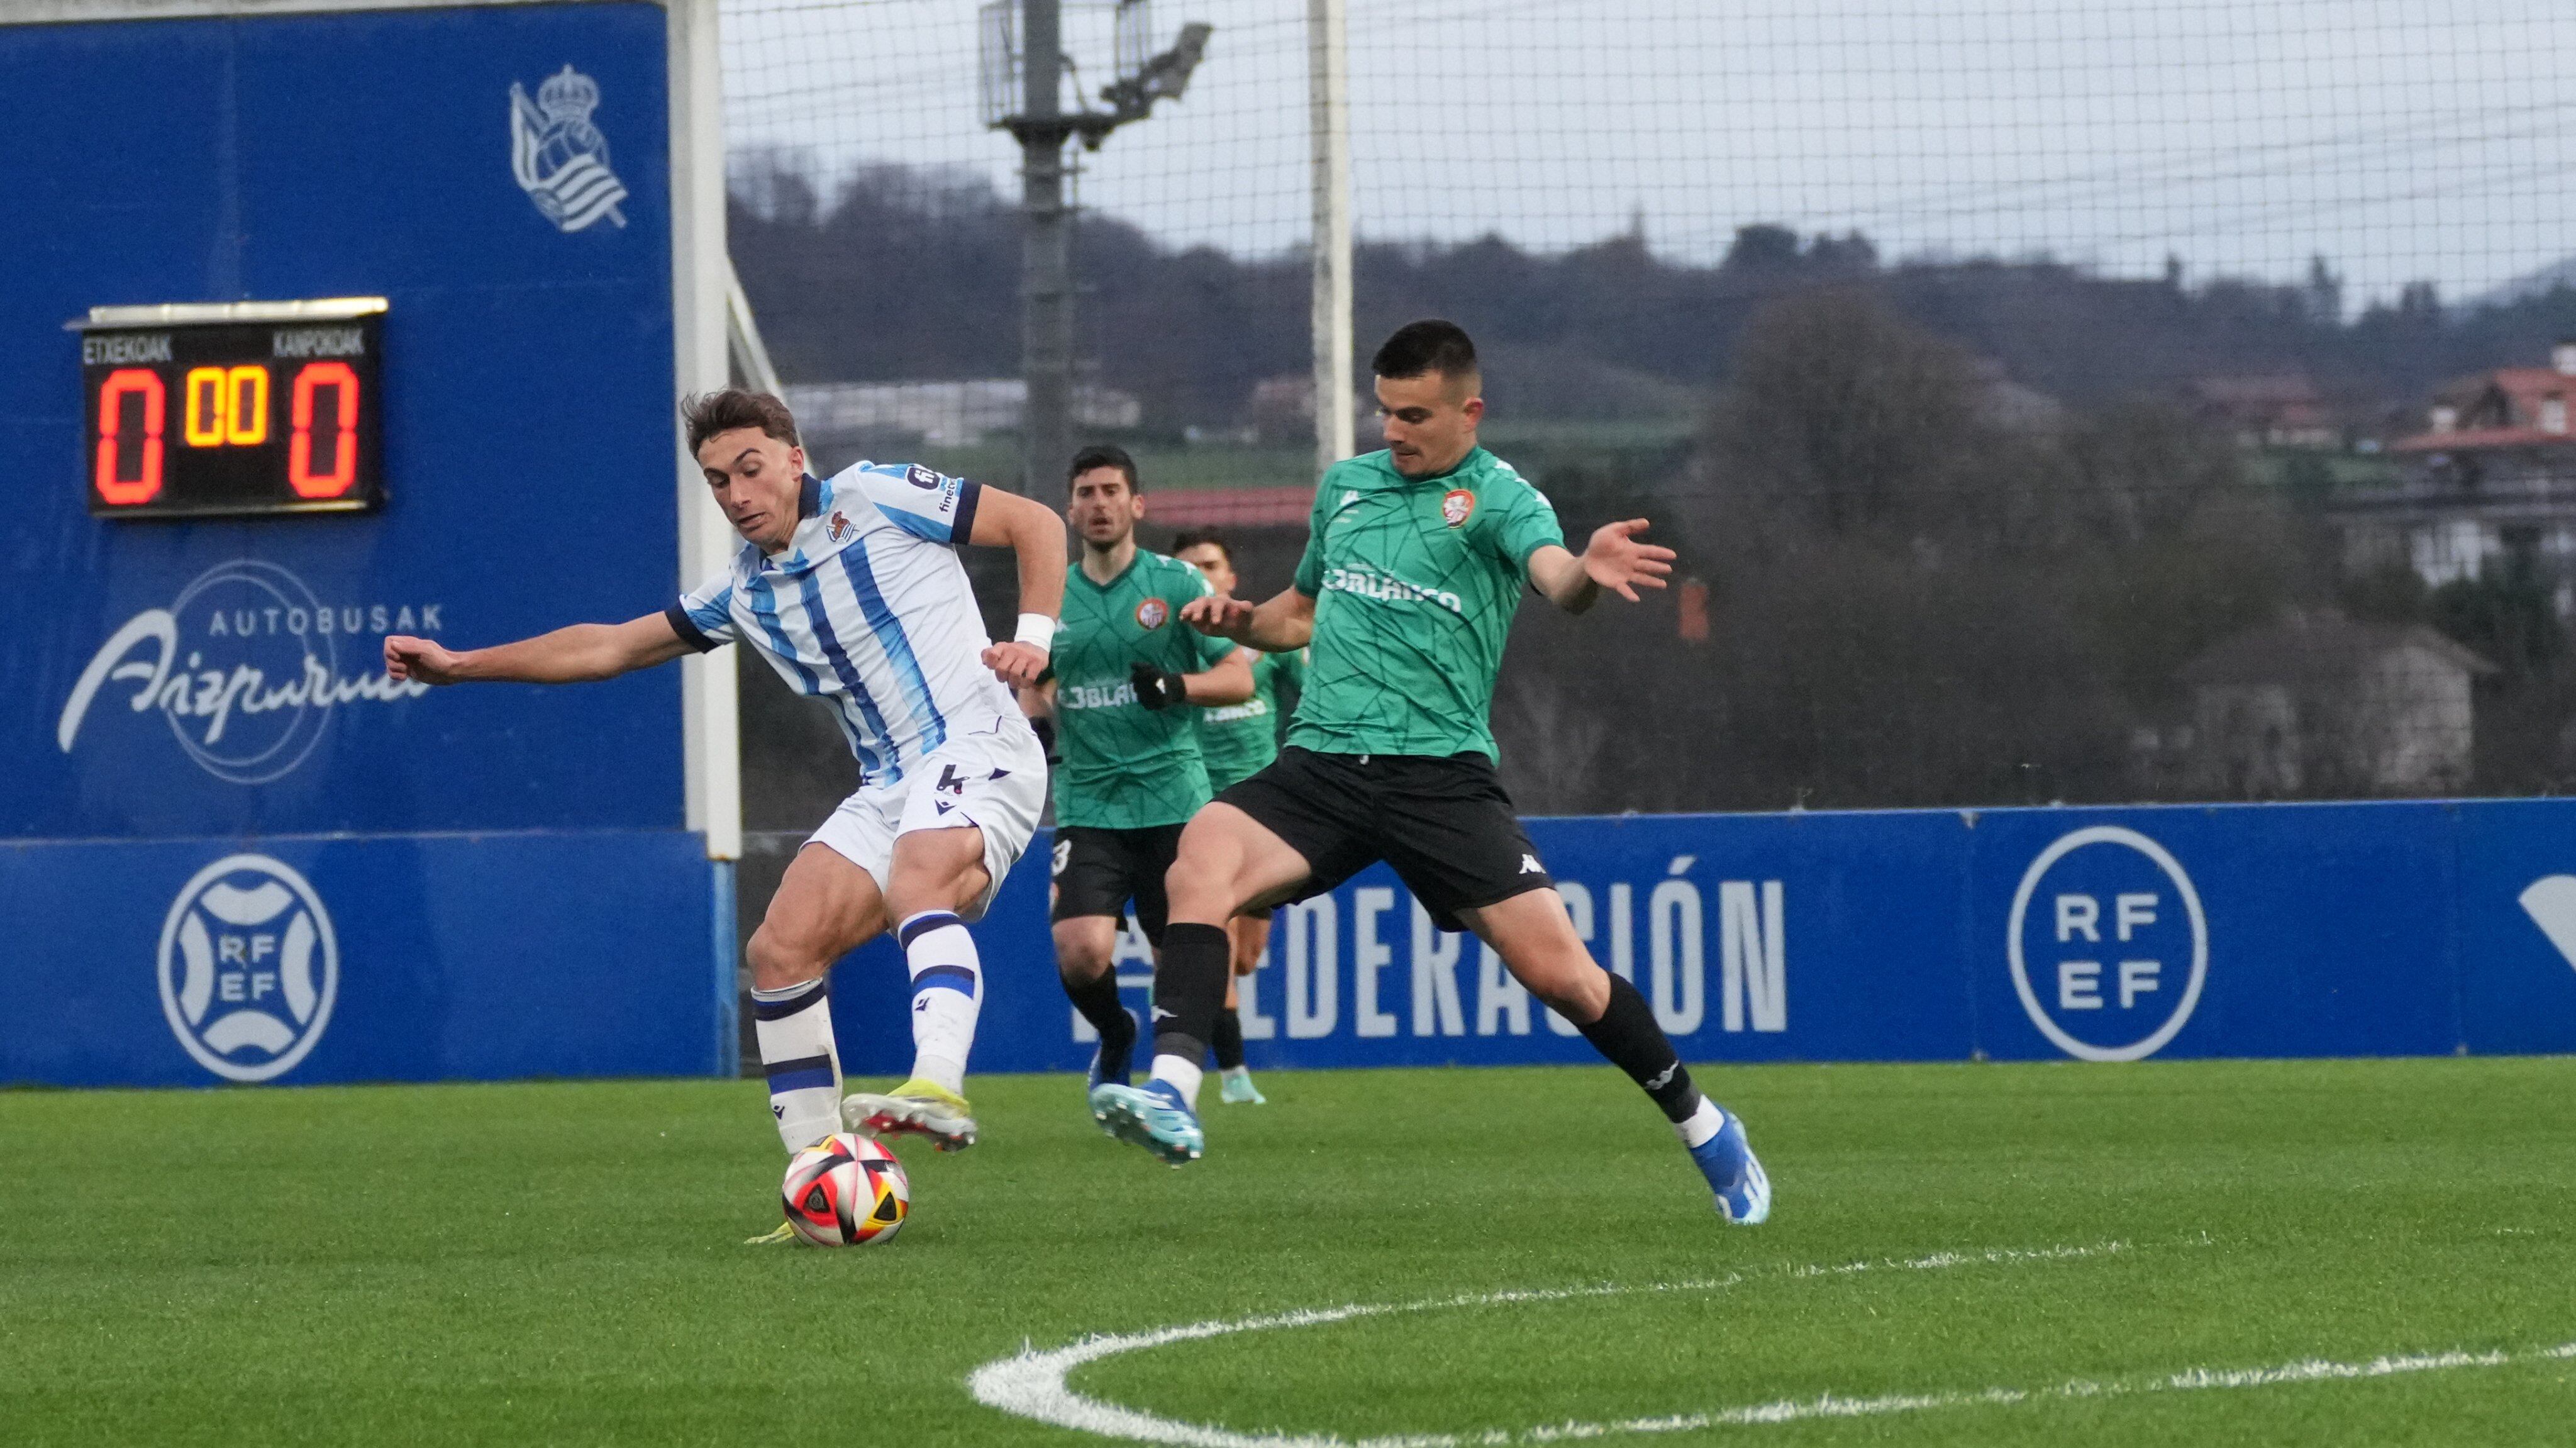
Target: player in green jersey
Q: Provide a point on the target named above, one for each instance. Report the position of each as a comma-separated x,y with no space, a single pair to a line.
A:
1237,741
1125,671
1415,561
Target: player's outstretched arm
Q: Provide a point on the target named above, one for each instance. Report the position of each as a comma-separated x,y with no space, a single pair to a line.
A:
1614,560
1032,530
572,655
1228,681
1286,622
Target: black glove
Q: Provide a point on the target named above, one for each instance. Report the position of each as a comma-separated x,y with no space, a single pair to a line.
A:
1044,724
1158,688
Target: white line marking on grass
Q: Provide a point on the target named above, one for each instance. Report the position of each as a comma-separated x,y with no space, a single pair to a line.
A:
1032,1383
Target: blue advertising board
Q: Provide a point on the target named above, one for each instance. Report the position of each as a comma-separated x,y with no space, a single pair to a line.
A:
2411,928
190,691
528,430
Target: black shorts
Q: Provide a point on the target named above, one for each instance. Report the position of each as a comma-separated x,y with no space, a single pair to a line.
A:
1444,824
1097,872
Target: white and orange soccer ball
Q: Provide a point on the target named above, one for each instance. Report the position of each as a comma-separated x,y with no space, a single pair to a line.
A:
846,1191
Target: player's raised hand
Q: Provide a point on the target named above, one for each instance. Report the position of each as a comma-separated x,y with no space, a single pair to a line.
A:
1016,664
418,659
1617,561
1218,616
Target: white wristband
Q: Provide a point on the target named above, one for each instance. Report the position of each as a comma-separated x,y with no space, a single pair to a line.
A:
1038,631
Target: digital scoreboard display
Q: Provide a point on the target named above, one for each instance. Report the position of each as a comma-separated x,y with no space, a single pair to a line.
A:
233,407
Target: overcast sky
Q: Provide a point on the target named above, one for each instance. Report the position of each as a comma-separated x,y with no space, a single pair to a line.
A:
2401,140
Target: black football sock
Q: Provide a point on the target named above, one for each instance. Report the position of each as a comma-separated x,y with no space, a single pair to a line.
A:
1097,999
1229,1039
1189,989
1628,1036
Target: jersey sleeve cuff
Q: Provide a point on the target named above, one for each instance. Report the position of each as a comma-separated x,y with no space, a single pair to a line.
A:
687,628
962,531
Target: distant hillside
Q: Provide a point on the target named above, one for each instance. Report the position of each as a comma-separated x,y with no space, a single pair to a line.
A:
2557,276
899,273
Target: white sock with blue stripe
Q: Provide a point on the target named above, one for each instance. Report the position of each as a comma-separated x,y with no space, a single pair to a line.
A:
794,1027
947,994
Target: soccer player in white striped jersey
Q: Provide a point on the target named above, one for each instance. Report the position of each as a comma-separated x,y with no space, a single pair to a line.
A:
852,589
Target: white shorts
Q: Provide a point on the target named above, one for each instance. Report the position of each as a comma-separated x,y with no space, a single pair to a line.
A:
994,778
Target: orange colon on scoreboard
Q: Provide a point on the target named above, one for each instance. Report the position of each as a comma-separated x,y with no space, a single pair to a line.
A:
227,406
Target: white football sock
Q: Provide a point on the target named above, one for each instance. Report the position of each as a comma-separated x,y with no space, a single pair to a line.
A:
1704,1123
947,994
794,1028
1184,1074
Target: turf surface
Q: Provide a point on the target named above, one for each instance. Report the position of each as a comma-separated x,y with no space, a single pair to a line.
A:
558,1263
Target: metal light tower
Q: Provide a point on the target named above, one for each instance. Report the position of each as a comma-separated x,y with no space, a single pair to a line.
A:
1022,76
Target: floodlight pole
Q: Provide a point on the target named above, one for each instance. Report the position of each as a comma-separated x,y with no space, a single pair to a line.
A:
1046,262
1042,128
1329,125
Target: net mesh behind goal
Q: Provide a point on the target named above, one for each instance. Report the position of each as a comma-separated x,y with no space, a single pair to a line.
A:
2044,394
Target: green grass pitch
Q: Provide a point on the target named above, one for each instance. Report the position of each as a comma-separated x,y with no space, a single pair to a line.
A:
558,1263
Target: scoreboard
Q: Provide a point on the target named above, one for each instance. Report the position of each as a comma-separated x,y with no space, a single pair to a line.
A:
233,407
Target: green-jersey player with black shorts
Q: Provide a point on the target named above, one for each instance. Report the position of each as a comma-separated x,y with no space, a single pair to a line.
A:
1239,741
1117,705
1415,562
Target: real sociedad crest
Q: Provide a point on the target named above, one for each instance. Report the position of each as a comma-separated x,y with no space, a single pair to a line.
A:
249,968
559,157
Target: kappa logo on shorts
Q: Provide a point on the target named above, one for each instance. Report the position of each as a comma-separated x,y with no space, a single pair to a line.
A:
1531,866
1456,506
840,528
1152,613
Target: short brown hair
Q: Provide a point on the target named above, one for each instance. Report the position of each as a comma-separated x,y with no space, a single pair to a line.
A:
1104,455
723,410
1203,537
1430,345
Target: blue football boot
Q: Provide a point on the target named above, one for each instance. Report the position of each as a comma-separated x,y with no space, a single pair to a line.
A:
1743,1188
1152,1116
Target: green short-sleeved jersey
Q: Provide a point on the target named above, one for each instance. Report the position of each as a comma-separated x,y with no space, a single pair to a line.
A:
1415,581
1125,766
1236,740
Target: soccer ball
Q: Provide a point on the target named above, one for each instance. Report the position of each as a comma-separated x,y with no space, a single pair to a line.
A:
846,1191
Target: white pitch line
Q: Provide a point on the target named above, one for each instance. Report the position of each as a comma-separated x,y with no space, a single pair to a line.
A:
1032,1384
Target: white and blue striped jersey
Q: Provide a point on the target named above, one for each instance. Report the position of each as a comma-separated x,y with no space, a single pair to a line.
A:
869,610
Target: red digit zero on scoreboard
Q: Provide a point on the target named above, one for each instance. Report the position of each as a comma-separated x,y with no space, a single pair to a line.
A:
233,407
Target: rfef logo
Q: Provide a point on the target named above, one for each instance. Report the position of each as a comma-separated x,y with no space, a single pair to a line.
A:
249,968
2108,944
2550,901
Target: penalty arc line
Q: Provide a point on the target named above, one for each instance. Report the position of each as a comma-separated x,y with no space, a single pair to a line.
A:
1031,1384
